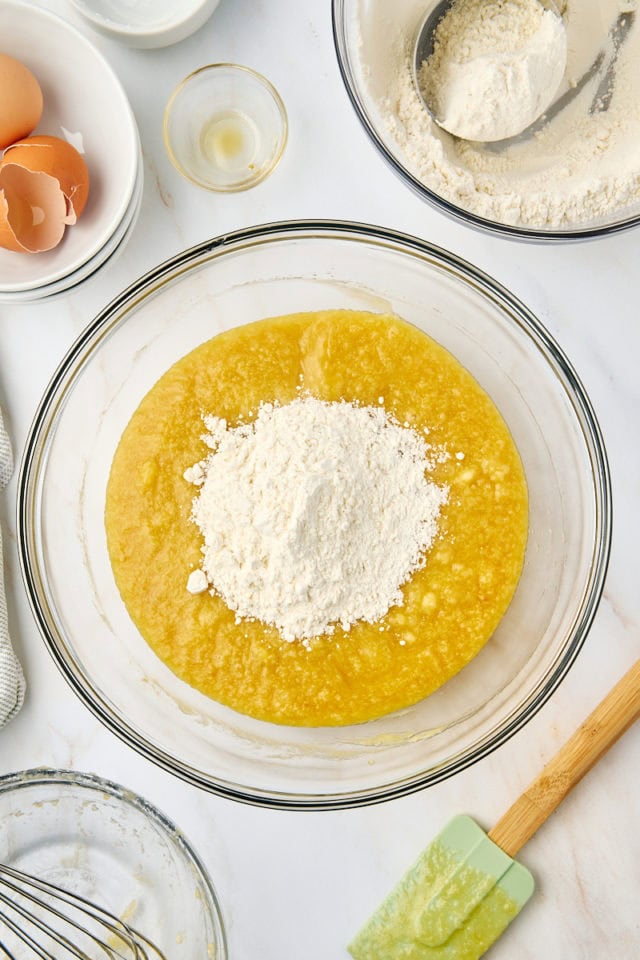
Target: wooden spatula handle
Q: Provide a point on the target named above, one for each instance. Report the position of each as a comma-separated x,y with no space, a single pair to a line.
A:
615,714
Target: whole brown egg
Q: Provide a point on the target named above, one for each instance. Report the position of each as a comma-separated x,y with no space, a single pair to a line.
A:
20,101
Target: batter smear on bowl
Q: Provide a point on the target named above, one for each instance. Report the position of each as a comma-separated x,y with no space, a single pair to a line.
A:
317,519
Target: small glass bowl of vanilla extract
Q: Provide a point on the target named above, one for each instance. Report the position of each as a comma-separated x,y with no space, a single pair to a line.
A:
225,127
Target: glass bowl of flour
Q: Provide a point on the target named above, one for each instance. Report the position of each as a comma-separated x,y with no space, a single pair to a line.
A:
270,271
575,175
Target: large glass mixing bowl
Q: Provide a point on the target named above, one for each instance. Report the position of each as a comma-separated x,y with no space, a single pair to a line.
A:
241,277
367,36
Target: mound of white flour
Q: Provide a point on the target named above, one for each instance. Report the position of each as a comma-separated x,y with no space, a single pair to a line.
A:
314,514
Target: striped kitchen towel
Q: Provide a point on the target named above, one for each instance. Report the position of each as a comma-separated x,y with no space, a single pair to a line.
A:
12,685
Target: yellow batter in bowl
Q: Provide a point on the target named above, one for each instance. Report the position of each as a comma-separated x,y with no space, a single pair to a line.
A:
451,606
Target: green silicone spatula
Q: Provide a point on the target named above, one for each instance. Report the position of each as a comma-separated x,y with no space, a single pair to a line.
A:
466,888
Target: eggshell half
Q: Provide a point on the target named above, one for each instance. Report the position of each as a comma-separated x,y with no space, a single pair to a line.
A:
33,210
20,101
58,159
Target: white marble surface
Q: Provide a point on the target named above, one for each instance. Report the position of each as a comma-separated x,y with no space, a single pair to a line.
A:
296,885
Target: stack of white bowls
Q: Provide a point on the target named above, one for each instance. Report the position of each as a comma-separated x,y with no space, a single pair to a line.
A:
85,104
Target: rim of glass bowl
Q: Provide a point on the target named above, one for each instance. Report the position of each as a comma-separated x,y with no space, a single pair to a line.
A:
92,782
44,424
455,212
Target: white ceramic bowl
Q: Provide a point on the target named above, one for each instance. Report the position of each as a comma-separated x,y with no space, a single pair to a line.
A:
84,102
154,23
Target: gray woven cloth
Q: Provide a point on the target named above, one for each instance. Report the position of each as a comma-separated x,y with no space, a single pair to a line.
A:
12,685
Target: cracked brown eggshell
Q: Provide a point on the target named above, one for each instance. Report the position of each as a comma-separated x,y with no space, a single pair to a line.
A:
44,185
33,210
58,159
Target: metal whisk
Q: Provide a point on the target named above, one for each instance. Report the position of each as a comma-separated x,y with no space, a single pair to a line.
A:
41,920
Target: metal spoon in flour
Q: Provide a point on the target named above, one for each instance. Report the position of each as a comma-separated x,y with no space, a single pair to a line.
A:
600,101
617,35
424,48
